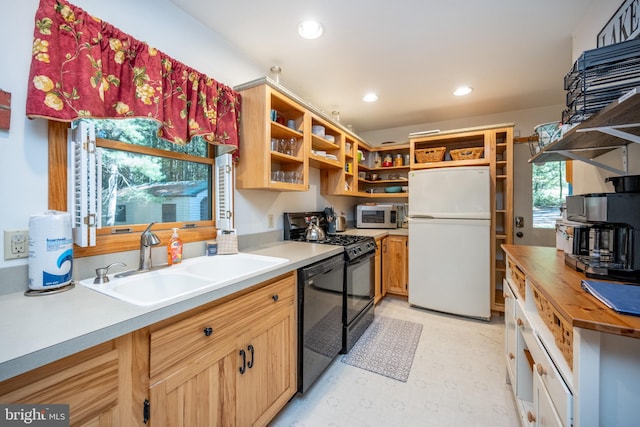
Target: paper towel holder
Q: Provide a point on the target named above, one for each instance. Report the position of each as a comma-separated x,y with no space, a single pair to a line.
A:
39,292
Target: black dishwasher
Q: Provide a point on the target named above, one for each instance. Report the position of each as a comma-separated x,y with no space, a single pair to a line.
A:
320,294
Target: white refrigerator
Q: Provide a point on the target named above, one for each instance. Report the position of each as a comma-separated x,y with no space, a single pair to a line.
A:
449,240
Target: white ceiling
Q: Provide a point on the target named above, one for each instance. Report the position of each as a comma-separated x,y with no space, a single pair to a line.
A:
412,53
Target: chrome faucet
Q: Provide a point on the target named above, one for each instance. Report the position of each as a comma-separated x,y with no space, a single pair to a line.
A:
147,239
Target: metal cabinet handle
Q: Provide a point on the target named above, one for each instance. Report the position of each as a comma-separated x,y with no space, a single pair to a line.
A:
250,364
244,362
511,356
275,297
208,331
519,322
540,369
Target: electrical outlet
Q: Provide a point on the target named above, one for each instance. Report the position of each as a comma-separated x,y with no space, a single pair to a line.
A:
16,244
270,220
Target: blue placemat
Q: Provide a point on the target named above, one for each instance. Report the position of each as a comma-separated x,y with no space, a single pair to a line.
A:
623,298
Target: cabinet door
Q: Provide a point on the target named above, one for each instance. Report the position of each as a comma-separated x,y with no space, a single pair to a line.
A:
544,412
265,376
510,331
98,384
380,291
396,265
202,393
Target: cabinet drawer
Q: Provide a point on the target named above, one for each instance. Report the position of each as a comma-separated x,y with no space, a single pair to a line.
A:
280,292
189,337
517,277
210,329
553,383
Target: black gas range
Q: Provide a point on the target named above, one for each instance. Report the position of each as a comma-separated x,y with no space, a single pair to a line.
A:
348,316
296,223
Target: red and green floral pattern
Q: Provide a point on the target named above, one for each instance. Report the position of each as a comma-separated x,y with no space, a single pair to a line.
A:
85,67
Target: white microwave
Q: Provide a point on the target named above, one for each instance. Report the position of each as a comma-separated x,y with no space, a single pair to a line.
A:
376,216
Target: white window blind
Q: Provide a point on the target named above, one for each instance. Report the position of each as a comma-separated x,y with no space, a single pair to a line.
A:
85,185
224,191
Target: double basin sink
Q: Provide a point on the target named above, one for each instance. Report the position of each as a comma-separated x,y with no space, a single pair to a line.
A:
203,273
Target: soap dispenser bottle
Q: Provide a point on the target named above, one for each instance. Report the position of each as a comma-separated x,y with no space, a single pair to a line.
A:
175,248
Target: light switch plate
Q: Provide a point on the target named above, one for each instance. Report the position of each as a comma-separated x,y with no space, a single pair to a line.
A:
16,244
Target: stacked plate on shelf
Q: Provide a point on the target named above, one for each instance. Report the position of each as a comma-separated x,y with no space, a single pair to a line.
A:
599,77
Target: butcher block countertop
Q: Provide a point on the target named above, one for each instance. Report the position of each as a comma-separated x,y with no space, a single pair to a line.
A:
544,267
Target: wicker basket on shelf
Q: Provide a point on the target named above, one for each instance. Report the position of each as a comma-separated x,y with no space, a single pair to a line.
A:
434,154
467,153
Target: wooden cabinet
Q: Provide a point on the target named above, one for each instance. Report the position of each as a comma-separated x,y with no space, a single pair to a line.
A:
272,115
393,175
580,351
267,161
480,146
543,397
341,181
501,164
231,364
380,291
473,144
395,264
104,385
269,380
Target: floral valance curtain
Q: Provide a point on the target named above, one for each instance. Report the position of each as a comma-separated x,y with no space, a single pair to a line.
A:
84,67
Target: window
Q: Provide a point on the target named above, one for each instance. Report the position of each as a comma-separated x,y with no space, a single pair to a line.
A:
156,185
549,189
143,179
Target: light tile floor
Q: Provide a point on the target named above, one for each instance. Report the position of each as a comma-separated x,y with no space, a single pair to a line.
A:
457,379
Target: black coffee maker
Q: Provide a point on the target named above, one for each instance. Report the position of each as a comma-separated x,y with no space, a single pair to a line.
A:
608,245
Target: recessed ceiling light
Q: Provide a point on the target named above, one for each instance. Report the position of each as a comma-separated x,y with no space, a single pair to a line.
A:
370,97
462,91
310,29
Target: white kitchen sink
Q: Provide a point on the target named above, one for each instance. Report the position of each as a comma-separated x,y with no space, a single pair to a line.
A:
230,267
191,276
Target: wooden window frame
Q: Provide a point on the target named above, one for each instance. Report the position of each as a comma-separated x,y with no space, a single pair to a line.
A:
108,241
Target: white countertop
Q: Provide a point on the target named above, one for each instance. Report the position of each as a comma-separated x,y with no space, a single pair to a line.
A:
38,330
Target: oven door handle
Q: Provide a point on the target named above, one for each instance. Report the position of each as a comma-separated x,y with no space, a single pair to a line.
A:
363,258
329,270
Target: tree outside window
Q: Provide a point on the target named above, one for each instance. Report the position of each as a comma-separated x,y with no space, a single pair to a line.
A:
549,190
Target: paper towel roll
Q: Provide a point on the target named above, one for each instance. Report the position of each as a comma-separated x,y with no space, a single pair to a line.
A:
50,250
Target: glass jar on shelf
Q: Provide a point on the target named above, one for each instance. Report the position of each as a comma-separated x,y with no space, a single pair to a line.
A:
387,161
377,162
399,161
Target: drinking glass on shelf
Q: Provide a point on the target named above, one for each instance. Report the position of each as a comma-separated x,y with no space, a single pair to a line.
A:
293,143
274,144
283,144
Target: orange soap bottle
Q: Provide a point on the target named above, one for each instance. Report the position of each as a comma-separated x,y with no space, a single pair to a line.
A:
175,248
